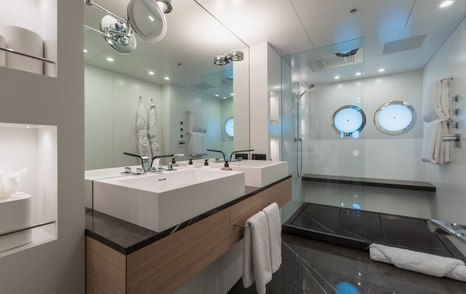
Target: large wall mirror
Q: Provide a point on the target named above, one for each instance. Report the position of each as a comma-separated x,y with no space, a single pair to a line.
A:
176,75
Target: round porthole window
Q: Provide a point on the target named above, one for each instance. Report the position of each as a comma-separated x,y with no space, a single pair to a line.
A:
394,118
349,120
230,127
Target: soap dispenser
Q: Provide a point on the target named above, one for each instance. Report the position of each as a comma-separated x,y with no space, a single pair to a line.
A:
226,166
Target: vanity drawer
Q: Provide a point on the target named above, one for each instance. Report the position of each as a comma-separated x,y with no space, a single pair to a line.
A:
165,265
240,212
281,193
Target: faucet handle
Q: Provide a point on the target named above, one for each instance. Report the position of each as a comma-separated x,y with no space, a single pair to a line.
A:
139,171
127,170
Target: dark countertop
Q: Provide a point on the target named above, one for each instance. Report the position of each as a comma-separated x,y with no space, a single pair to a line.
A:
374,182
127,238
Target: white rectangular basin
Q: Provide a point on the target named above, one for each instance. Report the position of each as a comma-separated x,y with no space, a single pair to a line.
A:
260,173
160,201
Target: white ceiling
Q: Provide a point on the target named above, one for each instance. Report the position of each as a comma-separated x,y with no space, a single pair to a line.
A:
298,29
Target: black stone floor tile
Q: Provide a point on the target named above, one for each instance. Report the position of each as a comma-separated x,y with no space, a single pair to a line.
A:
315,267
360,225
318,217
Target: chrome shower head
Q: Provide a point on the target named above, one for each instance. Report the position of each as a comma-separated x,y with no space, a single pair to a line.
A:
308,88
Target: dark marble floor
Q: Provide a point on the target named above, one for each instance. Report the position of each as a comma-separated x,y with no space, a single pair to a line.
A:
358,229
316,267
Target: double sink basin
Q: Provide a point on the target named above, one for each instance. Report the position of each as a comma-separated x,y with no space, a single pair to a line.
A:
159,201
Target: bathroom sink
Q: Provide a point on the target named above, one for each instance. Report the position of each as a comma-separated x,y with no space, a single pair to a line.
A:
260,173
160,201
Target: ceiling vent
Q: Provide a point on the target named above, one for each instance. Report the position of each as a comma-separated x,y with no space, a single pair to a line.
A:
336,61
202,86
404,44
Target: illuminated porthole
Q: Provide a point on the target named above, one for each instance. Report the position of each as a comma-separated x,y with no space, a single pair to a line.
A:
348,121
230,127
394,118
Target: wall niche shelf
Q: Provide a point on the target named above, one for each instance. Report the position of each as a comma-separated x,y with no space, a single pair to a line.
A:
28,36
28,216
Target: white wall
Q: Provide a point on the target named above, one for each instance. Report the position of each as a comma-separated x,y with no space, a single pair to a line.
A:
374,154
112,100
57,266
450,61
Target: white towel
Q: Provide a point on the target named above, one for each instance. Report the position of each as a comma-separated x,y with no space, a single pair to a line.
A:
437,105
152,131
197,122
433,149
196,144
141,128
256,255
424,263
272,212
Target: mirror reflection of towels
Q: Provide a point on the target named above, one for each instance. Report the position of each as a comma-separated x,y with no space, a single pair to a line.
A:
197,122
196,144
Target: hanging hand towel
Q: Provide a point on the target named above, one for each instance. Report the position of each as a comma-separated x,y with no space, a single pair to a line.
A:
437,105
272,212
256,254
141,128
433,149
424,263
153,136
196,144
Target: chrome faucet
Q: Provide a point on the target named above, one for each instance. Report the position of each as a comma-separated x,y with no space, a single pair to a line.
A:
450,228
158,168
238,151
145,163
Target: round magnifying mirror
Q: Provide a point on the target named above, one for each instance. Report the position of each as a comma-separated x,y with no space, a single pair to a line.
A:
394,118
147,20
116,35
349,120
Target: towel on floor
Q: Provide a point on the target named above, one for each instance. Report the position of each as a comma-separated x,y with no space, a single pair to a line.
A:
437,105
272,212
424,263
196,144
433,149
256,254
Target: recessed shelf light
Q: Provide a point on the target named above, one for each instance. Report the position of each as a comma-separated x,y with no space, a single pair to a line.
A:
166,78
85,50
358,73
446,3
151,73
110,59
381,70
337,77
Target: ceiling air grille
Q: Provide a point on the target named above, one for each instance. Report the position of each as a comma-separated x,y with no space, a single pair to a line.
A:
335,61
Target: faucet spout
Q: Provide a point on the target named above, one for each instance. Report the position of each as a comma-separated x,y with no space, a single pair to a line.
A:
238,151
158,157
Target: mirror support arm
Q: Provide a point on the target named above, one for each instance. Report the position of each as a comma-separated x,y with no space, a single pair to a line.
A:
92,3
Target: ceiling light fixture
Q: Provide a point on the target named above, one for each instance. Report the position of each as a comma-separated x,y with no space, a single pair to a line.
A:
216,95
110,59
337,77
358,73
224,97
446,3
228,57
85,50
381,70
166,78
151,73
232,94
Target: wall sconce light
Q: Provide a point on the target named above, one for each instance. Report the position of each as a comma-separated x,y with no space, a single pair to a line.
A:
228,57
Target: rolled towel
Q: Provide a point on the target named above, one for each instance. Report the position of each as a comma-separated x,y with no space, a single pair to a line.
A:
272,212
256,255
424,263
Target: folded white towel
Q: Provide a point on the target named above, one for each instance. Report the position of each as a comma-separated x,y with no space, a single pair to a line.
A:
196,144
424,263
437,105
272,212
256,254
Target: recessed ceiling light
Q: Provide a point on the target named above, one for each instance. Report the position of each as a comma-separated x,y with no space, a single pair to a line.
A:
27,127
358,73
167,78
110,59
85,50
381,69
216,95
232,94
224,97
151,18
151,73
446,3
337,77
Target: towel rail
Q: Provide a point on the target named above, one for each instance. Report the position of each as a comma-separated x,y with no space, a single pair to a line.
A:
9,50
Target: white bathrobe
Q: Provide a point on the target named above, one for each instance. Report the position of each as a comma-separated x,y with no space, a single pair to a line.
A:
141,128
153,136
